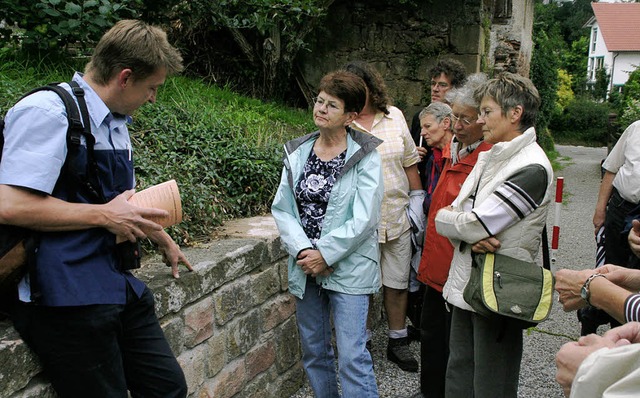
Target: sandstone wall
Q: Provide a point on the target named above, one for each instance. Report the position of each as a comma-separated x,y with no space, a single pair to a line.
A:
231,323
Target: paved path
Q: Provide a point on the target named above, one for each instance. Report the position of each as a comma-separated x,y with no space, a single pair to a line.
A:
581,174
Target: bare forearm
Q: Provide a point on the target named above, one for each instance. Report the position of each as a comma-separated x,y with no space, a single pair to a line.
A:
414,177
46,213
606,188
608,297
41,212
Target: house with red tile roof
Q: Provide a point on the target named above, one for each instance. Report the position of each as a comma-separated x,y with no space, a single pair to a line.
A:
615,41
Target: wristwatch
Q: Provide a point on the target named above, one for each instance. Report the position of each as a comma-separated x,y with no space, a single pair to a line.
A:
585,293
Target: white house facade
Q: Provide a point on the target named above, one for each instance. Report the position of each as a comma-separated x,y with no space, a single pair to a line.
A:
614,43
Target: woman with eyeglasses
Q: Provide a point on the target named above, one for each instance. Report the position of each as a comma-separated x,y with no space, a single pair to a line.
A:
327,209
403,194
459,158
502,207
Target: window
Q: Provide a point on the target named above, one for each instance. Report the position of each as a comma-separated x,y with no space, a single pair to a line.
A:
595,64
503,11
594,38
599,63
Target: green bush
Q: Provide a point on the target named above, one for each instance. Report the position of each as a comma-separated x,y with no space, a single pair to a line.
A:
627,103
46,26
630,113
582,122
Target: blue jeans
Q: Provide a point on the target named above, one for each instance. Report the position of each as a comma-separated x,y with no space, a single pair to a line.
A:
355,367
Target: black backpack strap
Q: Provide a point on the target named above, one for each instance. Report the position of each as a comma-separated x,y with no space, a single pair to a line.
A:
88,178
80,169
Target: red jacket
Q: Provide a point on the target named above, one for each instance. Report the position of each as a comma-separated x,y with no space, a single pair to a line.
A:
437,251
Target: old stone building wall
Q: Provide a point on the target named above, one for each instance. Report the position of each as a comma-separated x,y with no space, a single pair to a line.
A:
511,44
404,40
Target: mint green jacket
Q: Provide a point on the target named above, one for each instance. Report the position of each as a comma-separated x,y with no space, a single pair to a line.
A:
348,241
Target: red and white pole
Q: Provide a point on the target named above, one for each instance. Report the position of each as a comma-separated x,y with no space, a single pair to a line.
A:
556,224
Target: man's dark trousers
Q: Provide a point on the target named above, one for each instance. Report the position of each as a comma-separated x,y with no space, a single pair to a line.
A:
434,343
103,350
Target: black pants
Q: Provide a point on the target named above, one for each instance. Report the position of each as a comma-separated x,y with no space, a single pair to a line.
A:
103,350
616,245
434,343
617,251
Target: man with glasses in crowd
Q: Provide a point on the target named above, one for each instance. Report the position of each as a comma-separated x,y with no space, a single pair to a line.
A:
445,75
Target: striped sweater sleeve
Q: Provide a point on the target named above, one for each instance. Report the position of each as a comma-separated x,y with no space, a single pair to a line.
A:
632,308
516,198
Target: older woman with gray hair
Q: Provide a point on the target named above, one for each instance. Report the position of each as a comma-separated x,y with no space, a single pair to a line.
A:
502,207
460,157
435,125
435,130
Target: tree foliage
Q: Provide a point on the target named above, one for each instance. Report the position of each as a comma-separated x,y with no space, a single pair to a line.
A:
255,39
629,101
47,26
575,61
565,94
599,91
250,44
544,75
571,17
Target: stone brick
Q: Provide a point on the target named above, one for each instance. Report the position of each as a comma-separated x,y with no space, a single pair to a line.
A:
467,39
173,328
18,364
265,284
277,251
243,256
243,333
193,365
198,322
217,357
289,382
288,351
229,382
39,387
283,270
262,386
232,299
278,310
260,359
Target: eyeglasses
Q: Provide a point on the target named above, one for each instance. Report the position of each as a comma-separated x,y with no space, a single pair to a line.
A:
441,85
455,119
331,105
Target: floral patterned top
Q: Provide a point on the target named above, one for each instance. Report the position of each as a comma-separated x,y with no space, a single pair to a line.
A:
313,191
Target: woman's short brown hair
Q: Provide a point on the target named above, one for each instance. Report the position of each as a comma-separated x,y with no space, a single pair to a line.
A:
346,86
510,90
378,97
135,45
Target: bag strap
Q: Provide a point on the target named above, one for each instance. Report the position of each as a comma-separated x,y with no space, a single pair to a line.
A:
83,174
545,249
89,177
